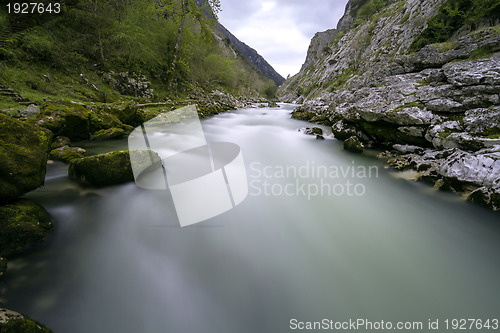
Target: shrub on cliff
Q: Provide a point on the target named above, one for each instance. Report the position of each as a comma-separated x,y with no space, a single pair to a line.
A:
452,15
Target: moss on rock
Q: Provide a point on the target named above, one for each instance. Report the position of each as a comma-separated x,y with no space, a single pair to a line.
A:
67,119
67,154
23,157
108,134
128,113
59,142
303,115
353,144
102,170
13,322
101,118
24,225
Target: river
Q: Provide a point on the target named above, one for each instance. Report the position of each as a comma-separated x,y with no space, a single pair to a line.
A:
322,234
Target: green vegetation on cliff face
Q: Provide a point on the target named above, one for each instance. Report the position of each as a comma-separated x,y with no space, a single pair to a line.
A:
168,46
452,16
363,9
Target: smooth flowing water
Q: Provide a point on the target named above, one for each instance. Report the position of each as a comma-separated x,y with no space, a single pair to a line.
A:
323,234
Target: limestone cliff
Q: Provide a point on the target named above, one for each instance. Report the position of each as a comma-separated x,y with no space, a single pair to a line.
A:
420,78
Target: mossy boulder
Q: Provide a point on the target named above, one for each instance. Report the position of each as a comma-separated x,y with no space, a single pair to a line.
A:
102,118
24,225
67,154
321,120
303,115
353,144
23,157
316,131
68,119
59,142
129,113
109,134
13,322
102,170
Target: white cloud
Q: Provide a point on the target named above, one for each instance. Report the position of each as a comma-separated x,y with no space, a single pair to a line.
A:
280,30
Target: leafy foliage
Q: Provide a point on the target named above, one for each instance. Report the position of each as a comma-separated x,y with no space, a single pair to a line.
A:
361,10
453,15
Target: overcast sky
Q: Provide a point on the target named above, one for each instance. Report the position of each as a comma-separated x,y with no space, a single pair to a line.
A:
280,30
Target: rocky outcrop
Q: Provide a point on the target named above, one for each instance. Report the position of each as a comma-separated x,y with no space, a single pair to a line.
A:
436,110
475,173
30,111
319,46
131,84
11,321
102,170
23,157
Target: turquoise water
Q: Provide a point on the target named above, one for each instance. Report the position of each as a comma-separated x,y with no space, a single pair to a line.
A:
323,234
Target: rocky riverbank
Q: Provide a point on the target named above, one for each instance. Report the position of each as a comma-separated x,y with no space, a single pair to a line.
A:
435,111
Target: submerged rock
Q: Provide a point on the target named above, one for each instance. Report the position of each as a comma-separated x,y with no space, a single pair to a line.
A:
23,157
13,322
24,225
353,144
311,131
102,170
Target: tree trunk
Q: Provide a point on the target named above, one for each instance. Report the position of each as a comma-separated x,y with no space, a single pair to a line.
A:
173,66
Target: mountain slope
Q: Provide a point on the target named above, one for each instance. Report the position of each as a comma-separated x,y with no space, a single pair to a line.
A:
255,59
244,50
169,49
418,78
